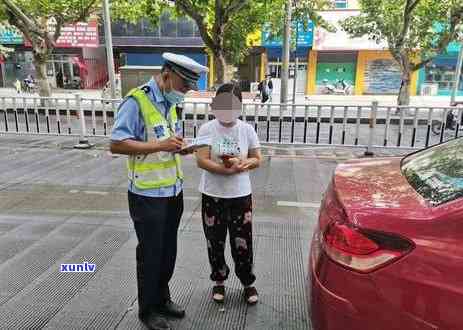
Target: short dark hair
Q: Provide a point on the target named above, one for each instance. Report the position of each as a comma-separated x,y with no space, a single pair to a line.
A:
165,67
231,88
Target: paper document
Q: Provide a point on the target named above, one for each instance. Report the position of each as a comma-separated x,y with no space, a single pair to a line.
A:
200,142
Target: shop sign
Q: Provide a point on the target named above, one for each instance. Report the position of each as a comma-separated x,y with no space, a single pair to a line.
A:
340,40
454,47
79,35
304,36
9,35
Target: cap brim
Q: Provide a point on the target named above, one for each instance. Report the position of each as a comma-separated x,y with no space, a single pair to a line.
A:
192,85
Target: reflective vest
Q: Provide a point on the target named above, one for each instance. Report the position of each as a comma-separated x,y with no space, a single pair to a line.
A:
160,169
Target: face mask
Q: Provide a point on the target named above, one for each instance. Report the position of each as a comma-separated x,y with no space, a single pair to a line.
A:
174,96
227,116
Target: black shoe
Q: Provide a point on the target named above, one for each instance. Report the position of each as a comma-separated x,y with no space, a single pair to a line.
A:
218,293
171,309
156,322
250,295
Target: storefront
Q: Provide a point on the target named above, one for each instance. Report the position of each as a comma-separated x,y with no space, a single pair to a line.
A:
15,64
77,61
438,76
379,74
274,55
352,65
335,69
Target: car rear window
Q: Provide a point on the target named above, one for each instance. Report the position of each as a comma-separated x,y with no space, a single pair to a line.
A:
436,173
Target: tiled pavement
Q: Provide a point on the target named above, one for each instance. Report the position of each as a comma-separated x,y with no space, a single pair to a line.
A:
60,205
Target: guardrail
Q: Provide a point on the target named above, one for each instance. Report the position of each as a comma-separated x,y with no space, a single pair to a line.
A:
366,126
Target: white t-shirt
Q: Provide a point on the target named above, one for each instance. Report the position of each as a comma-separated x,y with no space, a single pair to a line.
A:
236,140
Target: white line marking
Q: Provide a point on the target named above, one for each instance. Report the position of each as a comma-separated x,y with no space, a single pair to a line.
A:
91,192
73,191
298,204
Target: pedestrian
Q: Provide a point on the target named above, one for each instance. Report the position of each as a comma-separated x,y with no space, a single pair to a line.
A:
17,85
270,87
226,191
147,130
60,79
264,91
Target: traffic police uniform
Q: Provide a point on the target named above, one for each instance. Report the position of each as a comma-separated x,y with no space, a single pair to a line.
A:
155,182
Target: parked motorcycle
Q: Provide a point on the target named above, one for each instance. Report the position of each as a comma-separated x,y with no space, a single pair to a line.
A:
450,123
340,87
29,86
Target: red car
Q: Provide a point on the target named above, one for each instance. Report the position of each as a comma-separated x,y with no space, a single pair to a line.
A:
388,249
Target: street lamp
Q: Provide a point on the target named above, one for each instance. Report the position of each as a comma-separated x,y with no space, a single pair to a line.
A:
296,64
109,48
286,46
457,75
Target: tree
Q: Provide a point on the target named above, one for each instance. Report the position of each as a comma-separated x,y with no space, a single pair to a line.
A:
415,30
223,24
33,19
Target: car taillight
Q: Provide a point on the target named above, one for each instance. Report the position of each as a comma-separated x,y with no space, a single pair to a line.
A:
362,250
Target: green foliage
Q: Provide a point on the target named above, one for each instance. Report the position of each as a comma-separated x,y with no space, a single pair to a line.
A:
409,26
70,11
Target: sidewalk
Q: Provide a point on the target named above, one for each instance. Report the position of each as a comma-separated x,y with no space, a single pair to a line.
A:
60,205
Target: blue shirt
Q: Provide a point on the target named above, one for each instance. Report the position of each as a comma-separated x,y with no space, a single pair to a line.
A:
129,124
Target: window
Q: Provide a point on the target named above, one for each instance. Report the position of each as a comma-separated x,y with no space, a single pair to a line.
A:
186,28
340,4
168,26
196,31
148,29
441,72
437,173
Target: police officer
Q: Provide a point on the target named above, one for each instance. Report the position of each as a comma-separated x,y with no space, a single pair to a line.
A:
147,130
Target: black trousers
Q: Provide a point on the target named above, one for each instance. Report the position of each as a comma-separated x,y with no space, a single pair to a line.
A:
235,216
156,222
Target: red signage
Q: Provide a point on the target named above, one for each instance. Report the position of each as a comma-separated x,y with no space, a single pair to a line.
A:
79,35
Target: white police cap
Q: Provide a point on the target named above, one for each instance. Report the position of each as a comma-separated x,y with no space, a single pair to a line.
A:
185,67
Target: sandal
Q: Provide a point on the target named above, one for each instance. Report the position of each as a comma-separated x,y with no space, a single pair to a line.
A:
250,295
218,293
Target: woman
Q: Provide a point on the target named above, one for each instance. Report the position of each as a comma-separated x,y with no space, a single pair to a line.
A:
226,190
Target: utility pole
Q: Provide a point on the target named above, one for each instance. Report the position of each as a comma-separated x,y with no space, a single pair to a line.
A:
457,75
286,48
109,48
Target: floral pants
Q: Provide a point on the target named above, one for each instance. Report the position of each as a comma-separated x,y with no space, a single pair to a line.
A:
235,216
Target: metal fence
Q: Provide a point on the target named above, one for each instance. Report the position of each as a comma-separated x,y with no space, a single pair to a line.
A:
311,124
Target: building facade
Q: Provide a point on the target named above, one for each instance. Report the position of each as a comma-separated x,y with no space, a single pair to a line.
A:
359,65
142,44
78,60
438,76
